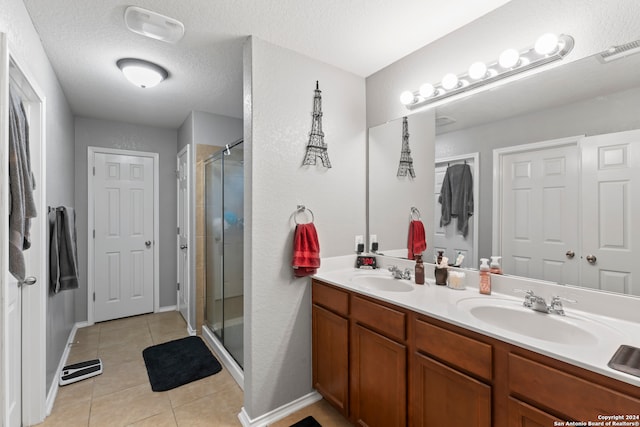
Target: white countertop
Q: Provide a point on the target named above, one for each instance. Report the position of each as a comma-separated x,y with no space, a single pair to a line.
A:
445,304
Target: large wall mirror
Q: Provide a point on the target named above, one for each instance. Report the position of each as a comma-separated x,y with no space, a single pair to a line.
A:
556,167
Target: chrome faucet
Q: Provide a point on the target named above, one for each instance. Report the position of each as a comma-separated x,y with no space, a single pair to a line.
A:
537,303
399,274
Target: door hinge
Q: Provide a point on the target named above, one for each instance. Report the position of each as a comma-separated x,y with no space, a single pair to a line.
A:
94,297
178,231
94,171
94,233
178,286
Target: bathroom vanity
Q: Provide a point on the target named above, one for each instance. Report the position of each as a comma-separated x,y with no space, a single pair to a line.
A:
397,354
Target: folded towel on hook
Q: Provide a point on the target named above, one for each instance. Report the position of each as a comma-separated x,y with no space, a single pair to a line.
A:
417,242
306,250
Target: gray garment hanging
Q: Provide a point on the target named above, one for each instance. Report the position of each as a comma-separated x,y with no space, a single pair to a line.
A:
22,207
456,197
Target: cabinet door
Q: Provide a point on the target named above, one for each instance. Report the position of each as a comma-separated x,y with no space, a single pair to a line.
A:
523,415
442,396
379,376
331,357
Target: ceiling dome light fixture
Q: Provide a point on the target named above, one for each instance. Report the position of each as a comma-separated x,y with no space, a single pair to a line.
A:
142,73
548,48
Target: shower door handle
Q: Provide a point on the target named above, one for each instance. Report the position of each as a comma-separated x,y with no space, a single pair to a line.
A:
183,246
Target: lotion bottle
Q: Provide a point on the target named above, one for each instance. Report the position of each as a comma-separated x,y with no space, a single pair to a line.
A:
485,277
419,271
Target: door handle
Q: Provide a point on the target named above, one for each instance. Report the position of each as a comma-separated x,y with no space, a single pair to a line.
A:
148,243
28,281
591,259
183,246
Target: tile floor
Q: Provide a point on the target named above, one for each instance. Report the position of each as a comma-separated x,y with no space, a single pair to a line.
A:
122,396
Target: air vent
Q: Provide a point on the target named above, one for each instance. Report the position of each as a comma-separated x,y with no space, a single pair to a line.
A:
617,52
444,121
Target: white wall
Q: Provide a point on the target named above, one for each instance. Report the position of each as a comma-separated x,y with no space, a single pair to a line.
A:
595,25
278,93
125,136
25,45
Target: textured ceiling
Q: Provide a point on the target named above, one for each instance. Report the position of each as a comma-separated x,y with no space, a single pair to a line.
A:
85,38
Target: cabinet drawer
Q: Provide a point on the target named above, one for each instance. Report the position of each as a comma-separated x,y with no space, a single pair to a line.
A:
564,393
457,350
390,322
330,297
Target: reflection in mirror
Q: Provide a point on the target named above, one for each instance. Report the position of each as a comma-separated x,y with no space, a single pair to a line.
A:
391,197
565,171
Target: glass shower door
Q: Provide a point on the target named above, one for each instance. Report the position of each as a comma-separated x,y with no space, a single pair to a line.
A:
224,216
233,216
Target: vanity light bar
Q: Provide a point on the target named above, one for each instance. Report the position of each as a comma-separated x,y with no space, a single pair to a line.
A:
548,48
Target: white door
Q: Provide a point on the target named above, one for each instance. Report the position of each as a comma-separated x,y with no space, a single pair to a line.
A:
539,208
183,233
23,327
448,239
611,207
123,195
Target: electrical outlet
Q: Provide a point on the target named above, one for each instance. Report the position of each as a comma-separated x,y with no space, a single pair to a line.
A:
359,240
373,238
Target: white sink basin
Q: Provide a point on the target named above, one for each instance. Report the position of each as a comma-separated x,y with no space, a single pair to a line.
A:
512,316
377,282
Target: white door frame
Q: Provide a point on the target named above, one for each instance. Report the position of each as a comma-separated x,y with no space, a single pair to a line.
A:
91,151
35,297
498,159
184,289
475,157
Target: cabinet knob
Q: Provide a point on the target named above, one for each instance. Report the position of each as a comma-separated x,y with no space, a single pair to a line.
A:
591,259
570,254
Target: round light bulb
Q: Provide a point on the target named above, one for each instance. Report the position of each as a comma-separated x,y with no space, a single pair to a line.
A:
478,70
427,90
509,58
450,81
407,97
546,44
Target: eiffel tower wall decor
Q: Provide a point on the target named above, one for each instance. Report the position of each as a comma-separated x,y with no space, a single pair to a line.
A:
406,162
316,147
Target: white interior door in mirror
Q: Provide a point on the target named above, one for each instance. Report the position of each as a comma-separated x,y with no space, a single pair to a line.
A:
610,209
539,205
447,238
183,233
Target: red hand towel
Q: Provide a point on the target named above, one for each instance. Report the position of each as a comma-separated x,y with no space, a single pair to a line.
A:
417,240
306,250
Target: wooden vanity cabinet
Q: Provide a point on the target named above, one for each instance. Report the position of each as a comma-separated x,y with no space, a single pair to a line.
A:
384,366
451,378
378,364
330,343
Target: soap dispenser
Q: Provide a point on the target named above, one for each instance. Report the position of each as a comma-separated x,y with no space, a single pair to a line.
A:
419,271
495,268
485,277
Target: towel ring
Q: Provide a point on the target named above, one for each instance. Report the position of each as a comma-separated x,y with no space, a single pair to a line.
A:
415,213
300,209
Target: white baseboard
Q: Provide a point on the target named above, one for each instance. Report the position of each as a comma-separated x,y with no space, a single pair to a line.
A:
278,413
236,372
53,389
167,308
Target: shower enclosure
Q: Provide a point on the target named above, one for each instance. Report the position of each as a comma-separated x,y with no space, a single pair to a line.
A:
224,224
